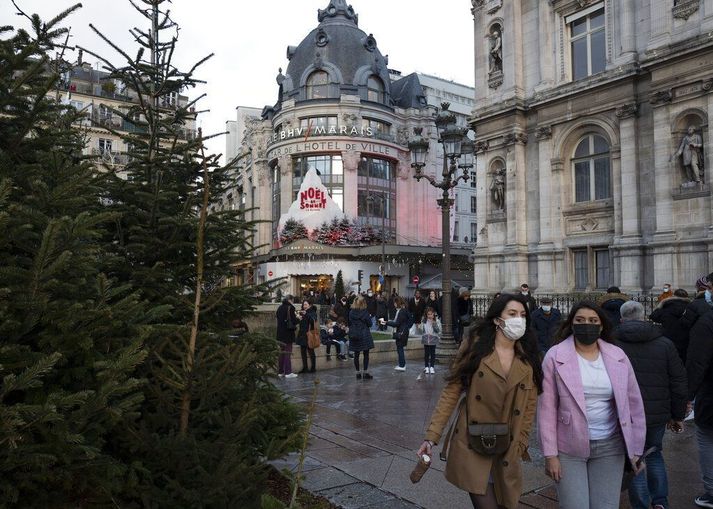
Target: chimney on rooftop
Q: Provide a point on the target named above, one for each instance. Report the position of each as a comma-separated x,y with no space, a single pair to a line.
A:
80,55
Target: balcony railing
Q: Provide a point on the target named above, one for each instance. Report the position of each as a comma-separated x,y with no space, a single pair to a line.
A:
112,158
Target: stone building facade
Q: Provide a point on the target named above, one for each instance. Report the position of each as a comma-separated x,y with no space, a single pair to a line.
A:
581,110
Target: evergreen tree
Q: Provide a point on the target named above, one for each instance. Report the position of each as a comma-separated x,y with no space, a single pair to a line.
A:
211,414
339,285
292,230
71,336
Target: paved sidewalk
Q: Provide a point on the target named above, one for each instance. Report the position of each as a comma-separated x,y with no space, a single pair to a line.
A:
365,434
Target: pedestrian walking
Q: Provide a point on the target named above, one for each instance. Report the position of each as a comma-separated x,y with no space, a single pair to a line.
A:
525,292
401,323
417,306
381,310
462,314
430,336
666,294
286,325
668,313
611,302
360,340
699,366
662,380
546,320
495,378
433,301
308,321
589,388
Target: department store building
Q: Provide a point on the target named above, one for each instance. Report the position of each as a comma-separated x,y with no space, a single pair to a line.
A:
344,118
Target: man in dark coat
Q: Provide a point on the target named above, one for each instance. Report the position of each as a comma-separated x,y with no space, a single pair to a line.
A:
341,309
668,314
417,306
611,303
662,381
525,292
545,321
381,309
371,307
286,325
699,365
701,305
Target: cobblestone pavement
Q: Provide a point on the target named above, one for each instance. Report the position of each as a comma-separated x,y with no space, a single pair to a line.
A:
365,433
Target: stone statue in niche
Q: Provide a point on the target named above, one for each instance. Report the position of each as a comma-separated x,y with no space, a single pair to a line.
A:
497,189
691,151
495,59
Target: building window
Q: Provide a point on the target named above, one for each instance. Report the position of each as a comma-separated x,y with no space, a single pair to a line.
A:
599,261
330,170
473,183
581,269
473,205
378,128
455,201
587,42
276,197
455,231
319,125
473,232
375,89
592,172
104,146
318,85
376,168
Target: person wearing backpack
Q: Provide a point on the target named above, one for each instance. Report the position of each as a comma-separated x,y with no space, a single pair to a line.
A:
402,322
431,333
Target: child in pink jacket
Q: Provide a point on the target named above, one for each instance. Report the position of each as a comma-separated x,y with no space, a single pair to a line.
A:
590,414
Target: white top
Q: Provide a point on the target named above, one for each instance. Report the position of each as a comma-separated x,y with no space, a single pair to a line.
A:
599,397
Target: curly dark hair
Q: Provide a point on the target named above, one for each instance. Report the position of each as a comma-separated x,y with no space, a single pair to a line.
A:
565,329
481,343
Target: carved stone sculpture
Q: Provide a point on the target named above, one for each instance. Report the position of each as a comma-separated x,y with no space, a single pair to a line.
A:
495,60
690,150
497,189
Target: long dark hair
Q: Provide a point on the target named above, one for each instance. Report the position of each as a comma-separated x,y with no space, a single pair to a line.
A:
481,343
565,329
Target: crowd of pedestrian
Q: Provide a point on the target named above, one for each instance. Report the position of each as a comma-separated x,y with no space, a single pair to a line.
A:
607,383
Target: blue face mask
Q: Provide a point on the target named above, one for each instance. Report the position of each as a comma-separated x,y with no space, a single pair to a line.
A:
709,297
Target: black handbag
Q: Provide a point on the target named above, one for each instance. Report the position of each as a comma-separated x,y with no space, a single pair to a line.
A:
488,439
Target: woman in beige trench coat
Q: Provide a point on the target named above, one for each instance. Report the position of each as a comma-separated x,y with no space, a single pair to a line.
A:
500,364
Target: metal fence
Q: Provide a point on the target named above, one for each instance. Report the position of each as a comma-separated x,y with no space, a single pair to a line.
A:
564,302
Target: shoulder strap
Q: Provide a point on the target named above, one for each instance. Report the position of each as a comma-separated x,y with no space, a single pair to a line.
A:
446,443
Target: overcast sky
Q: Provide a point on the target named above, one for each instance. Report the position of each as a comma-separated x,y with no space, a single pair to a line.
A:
250,37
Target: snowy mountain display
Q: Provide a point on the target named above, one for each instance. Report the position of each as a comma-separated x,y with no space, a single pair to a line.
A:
313,206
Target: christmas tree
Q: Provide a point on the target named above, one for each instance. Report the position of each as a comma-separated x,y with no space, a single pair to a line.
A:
72,336
339,286
211,415
292,230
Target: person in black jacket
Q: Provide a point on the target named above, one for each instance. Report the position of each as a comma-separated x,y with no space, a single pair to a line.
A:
699,365
308,321
417,306
668,314
402,323
545,322
664,389
611,302
701,305
360,340
286,324
381,310
462,312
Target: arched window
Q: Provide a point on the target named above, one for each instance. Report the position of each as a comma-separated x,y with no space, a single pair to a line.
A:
375,89
592,169
318,85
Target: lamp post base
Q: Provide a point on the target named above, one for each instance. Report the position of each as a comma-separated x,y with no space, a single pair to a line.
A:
447,349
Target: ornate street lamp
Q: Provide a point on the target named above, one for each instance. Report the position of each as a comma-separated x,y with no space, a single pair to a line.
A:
459,152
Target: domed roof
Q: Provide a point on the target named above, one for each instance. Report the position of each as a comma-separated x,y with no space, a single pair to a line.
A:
340,48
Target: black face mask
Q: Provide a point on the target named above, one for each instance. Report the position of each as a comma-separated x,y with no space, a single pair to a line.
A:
586,333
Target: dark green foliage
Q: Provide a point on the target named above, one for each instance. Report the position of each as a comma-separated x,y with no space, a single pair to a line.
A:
339,286
71,337
235,417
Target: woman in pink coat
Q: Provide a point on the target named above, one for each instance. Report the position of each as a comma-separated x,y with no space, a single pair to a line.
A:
590,415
